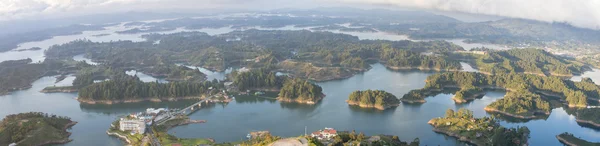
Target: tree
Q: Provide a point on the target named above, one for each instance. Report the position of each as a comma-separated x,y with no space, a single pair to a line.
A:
360,137
449,113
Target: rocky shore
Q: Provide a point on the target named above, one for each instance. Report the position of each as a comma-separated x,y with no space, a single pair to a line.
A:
468,98
68,89
514,115
591,123
134,100
301,101
371,106
564,141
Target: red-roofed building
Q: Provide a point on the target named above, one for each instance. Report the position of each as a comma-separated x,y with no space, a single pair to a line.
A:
326,133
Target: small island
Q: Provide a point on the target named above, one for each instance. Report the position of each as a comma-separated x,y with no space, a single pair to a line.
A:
378,99
35,128
478,131
570,140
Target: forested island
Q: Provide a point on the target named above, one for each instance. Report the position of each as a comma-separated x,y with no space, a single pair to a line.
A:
290,89
378,99
528,91
125,88
35,128
570,140
19,74
478,131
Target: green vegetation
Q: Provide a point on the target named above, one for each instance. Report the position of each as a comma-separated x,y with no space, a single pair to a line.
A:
19,74
403,59
467,94
590,116
262,140
312,55
528,90
34,128
373,98
479,131
352,138
301,91
521,103
257,78
127,88
133,139
531,61
570,140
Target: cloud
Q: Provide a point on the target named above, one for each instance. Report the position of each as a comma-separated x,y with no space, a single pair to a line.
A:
582,13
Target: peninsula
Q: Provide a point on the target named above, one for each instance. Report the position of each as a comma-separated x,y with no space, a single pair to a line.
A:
478,131
570,140
35,128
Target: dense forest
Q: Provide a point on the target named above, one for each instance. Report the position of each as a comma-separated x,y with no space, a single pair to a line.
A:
531,61
257,78
466,94
574,93
124,87
302,91
353,138
373,98
479,131
327,54
34,128
521,103
19,74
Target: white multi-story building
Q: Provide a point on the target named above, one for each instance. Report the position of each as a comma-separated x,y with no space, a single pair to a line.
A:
135,125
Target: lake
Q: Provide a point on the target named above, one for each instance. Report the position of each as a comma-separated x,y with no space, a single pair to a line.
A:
231,122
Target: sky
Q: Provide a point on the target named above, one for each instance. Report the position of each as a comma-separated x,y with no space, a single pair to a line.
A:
581,13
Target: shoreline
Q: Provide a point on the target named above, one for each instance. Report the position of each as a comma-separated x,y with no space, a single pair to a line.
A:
420,68
109,102
301,101
59,90
115,134
352,103
487,109
63,141
413,101
469,98
564,141
597,125
448,133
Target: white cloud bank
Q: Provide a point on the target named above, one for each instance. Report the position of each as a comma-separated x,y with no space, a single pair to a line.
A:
582,13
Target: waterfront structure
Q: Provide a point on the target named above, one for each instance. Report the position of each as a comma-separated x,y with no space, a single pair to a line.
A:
326,133
134,125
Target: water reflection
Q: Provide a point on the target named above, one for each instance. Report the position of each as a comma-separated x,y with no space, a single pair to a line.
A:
144,77
594,74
